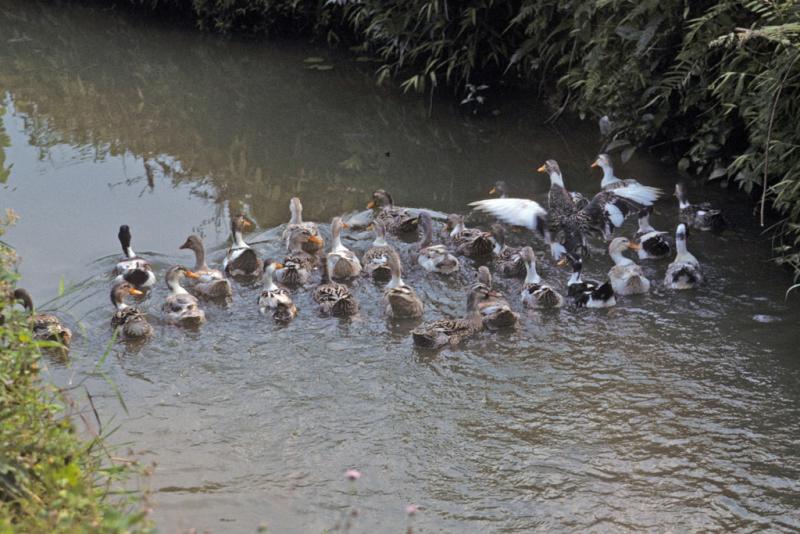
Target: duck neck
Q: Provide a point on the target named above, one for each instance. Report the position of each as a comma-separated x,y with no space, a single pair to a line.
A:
297,213
457,229
380,241
619,259
683,203
174,285
427,236
269,284
575,278
238,240
532,277
644,224
608,175
336,237
200,258
556,178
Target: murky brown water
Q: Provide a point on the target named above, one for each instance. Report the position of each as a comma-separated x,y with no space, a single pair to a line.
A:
671,412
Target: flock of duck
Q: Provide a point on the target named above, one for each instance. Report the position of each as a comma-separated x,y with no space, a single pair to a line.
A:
564,226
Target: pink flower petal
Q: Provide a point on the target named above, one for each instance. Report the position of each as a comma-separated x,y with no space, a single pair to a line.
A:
353,474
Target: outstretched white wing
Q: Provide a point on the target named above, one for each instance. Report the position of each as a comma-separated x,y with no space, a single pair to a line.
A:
516,211
643,195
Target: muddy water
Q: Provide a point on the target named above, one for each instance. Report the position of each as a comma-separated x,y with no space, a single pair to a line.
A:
670,412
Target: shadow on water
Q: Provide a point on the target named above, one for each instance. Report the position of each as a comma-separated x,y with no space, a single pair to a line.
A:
671,409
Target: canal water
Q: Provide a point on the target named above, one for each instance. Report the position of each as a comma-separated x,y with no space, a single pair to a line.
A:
672,411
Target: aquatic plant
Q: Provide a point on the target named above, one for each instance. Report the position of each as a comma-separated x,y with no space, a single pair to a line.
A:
52,479
714,85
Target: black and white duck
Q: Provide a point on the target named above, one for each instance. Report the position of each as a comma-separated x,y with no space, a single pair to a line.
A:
45,326
135,270
684,272
702,216
241,259
400,299
653,244
535,293
587,293
180,307
128,321
211,283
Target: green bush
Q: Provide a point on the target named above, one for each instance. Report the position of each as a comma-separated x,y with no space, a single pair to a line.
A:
51,480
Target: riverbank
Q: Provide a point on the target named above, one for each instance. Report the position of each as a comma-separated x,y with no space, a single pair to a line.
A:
51,478
711,86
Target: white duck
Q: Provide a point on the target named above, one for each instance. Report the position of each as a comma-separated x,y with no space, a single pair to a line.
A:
684,272
180,307
342,262
626,277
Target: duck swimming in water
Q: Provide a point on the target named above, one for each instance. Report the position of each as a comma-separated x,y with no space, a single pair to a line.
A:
45,326
652,244
702,217
314,244
274,299
535,293
341,261
334,298
132,268
376,258
587,293
626,277
128,320
469,242
434,258
610,181
394,219
180,307
684,272
495,309
211,283
401,301
437,334
241,259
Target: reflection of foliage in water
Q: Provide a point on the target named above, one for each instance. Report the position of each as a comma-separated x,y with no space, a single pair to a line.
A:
5,142
255,134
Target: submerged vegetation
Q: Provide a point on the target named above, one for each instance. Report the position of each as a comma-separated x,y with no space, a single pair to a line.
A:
713,85
51,480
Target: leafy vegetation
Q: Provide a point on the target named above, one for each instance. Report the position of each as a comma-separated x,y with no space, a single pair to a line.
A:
51,480
713,84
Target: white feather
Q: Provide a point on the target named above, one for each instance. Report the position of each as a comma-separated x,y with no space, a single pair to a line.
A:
615,215
516,211
641,194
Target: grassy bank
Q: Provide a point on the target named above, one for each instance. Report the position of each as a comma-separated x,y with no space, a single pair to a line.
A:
712,85
51,479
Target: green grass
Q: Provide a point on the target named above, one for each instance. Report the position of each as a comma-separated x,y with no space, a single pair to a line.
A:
51,478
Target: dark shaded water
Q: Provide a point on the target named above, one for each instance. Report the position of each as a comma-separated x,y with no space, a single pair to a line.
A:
671,412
